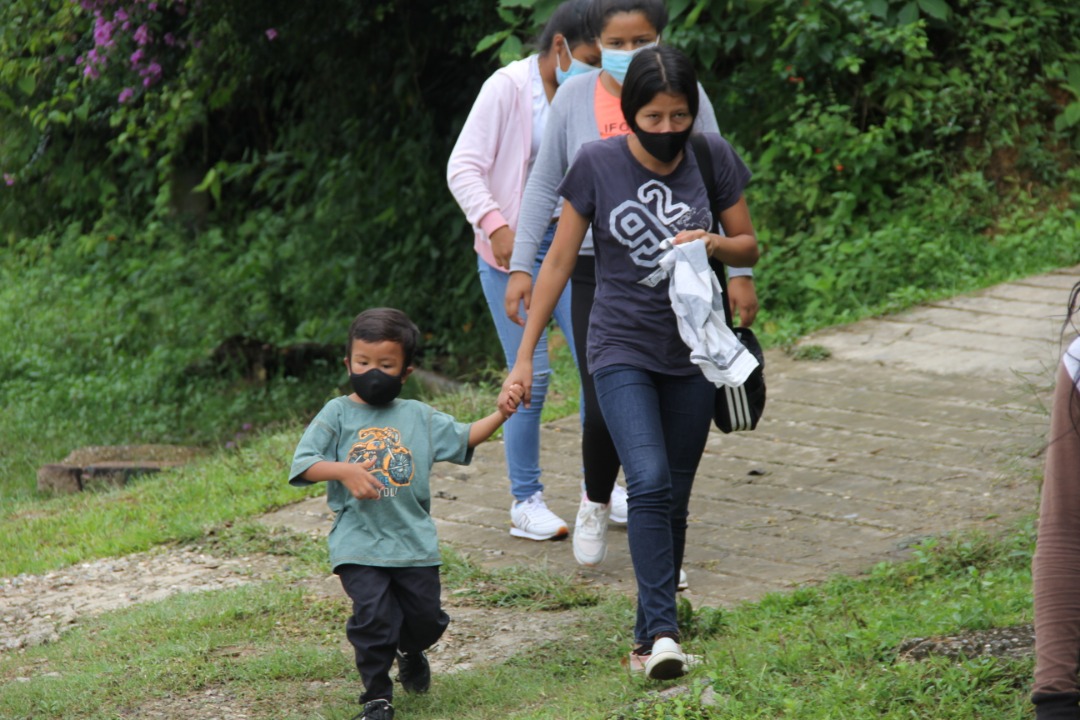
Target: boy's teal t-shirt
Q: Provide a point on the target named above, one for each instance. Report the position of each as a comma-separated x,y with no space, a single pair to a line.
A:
404,439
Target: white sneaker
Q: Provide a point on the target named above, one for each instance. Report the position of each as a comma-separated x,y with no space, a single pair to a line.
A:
590,532
636,663
619,512
666,661
684,583
531,519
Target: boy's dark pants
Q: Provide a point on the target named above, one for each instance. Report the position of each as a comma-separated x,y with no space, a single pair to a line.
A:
393,609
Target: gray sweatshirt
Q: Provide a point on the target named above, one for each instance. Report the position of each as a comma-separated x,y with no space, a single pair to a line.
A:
571,124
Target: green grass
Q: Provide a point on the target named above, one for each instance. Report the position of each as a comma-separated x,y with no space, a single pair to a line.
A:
824,652
177,505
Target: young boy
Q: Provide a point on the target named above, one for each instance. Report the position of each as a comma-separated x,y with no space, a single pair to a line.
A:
375,453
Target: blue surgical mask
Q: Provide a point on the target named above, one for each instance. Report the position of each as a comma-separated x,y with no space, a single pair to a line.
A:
577,67
617,62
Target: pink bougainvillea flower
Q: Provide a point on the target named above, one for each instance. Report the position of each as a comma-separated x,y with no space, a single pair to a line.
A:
9,180
170,39
136,57
142,35
150,74
103,30
271,34
91,72
125,95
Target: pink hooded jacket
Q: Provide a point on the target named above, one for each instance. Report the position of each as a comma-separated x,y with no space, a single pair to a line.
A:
489,164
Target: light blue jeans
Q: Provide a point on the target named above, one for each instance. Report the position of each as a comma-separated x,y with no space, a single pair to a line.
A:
521,433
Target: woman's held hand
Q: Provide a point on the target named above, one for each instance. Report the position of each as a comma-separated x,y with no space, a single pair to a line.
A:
518,384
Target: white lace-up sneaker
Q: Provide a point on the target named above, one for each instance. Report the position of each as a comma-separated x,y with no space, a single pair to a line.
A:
684,583
666,661
590,532
636,662
619,512
531,519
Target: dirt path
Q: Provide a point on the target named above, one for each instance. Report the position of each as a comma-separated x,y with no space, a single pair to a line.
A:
37,609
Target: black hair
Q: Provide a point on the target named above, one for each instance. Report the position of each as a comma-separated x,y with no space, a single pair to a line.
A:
1068,330
655,70
655,11
1070,311
380,324
570,21
1070,324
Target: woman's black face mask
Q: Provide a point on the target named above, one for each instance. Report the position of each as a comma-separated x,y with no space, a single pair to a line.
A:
664,146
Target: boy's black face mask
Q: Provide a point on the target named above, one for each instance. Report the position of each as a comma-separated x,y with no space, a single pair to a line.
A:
376,387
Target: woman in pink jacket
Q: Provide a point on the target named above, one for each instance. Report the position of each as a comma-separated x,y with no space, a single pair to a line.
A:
486,174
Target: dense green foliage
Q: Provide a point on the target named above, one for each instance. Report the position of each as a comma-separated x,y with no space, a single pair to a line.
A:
319,134
182,172
897,146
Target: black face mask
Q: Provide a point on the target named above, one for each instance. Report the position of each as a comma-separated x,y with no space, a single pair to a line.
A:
376,387
666,146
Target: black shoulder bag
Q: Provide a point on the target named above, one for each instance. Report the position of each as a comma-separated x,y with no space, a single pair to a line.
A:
736,408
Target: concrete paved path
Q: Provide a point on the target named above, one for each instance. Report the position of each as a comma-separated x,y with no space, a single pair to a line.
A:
918,424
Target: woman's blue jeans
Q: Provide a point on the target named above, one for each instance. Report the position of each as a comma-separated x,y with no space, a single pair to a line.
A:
521,433
660,424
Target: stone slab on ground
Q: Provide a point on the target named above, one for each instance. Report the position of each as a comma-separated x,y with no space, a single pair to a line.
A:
106,466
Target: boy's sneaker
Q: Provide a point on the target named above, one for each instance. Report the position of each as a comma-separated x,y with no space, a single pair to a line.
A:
666,661
590,532
414,672
619,512
376,710
531,519
684,583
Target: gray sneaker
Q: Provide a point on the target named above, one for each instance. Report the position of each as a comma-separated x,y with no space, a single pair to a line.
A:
590,532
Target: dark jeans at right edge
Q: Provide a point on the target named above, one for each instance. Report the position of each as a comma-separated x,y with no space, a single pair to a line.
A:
393,609
598,455
660,424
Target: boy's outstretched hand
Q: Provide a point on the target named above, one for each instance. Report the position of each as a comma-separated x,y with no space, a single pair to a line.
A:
360,482
510,398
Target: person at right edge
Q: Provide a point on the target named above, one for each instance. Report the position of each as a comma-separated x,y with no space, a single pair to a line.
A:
587,108
1055,569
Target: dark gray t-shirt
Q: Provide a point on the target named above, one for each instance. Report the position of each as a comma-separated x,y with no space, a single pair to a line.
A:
632,210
